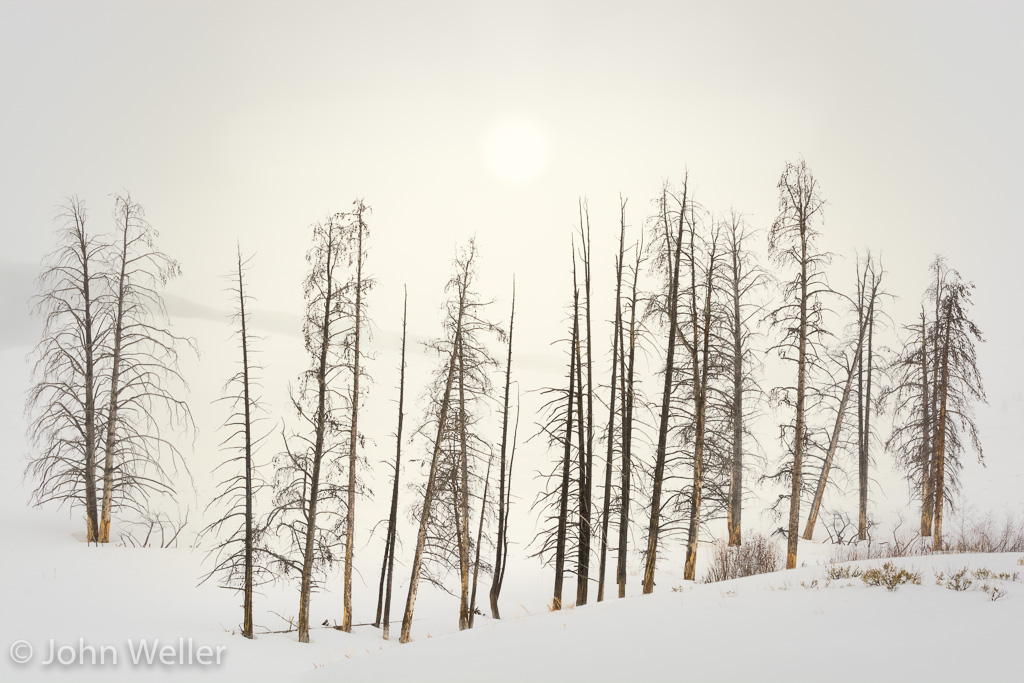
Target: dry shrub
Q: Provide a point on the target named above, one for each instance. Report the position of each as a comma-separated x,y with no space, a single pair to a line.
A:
890,576
758,555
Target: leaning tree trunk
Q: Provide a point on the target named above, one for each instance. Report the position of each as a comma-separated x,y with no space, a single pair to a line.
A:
479,538
428,496
389,550
659,466
502,510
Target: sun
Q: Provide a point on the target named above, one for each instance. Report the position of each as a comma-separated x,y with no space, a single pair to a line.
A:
515,150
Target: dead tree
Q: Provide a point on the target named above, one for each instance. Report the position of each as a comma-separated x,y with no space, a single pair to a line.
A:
667,247
554,539
144,384
612,386
443,537
869,311
587,498
791,244
851,369
309,509
504,477
353,297
237,561
628,388
701,344
388,566
743,281
63,402
934,416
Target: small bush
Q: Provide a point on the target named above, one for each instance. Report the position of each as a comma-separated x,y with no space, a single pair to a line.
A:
959,581
839,573
757,556
890,576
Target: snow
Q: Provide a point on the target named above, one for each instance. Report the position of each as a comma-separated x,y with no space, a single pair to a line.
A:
766,628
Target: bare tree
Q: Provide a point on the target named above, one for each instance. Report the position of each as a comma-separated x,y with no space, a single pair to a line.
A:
667,247
62,401
743,279
443,538
791,244
144,382
556,535
612,386
309,505
388,565
504,476
933,424
587,449
236,555
628,386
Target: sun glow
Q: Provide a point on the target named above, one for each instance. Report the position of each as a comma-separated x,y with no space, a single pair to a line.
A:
515,150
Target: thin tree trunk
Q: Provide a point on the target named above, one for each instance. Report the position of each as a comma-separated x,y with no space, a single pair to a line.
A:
627,434
659,467
115,377
584,485
389,551
462,499
350,517
606,513
801,390
865,458
735,509
940,447
563,505
428,496
927,498
819,493
247,583
92,527
502,509
587,449
305,585
479,538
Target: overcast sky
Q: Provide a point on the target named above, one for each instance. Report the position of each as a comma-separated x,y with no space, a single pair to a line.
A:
248,121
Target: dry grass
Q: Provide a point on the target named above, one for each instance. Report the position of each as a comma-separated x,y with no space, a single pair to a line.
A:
758,555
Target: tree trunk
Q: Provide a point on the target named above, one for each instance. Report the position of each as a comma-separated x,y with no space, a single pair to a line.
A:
735,509
563,505
659,467
479,538
115,377
627,436
927,498
421,536
606,510
92,528
350,517
826,466
801,389
502,511
305,585
247,582
389,551
865,458
940,447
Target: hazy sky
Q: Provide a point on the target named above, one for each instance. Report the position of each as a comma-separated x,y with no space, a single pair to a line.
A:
248,121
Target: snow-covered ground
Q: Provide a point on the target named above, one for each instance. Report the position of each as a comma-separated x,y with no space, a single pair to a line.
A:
778,626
